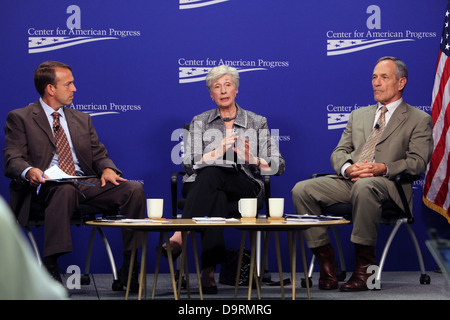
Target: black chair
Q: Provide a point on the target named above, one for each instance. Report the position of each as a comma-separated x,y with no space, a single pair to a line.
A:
82,214
391,214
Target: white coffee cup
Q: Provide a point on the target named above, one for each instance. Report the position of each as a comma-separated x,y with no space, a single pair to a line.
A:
155,208
248,207
276,207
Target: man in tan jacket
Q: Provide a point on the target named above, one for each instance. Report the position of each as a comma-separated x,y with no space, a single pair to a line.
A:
405,146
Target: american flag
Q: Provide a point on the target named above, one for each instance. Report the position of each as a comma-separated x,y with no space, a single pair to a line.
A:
436,189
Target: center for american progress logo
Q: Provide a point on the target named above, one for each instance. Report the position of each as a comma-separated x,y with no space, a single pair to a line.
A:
43,40
195,70
351,42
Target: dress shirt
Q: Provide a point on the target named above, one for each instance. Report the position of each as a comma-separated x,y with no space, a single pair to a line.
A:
62,120
387,116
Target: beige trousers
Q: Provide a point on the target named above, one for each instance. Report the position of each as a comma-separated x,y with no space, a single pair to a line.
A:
366,195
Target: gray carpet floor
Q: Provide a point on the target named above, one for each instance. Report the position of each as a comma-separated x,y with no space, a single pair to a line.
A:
394,286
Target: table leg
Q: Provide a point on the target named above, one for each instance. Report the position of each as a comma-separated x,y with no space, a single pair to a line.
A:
158,261
238,271
143,261
280,268
264,256
183,265
252,266
302,249
197,266
293,261
169,255
130,271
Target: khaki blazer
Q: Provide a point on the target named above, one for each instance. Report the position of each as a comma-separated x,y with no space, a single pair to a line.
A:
405,146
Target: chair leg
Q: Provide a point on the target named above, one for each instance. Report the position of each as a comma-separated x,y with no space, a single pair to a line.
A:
398,223
89,252
34,245
85,279
424,278
311,266
109,252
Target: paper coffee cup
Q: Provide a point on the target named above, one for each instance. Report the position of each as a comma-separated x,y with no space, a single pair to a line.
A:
155,208
248,207
276,207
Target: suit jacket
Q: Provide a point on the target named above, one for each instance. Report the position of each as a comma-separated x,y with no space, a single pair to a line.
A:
405,146
30,143
207,130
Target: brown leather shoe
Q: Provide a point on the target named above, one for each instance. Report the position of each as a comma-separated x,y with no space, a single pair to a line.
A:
328,266
365,257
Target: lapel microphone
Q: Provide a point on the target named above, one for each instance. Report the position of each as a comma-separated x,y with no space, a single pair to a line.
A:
56,127
377,126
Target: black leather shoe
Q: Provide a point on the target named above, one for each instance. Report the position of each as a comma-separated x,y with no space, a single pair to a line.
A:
54,273
209,290
176,250
123,277
53,268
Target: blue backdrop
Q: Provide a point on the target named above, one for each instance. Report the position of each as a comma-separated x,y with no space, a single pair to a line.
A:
139,68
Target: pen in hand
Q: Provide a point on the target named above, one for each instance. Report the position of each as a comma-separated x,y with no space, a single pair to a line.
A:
40,184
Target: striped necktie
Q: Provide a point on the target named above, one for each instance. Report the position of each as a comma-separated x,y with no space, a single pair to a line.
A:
65,158
368,152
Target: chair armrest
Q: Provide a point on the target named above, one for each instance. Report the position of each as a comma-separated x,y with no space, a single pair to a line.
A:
399,180
317,175
266,180
406,177
173,190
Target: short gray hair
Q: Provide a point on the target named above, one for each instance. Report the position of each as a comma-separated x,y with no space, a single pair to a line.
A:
219,71
401,70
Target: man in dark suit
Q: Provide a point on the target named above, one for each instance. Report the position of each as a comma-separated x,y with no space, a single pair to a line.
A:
405,146
31,149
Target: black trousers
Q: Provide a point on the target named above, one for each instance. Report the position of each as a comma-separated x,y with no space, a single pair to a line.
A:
210,195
